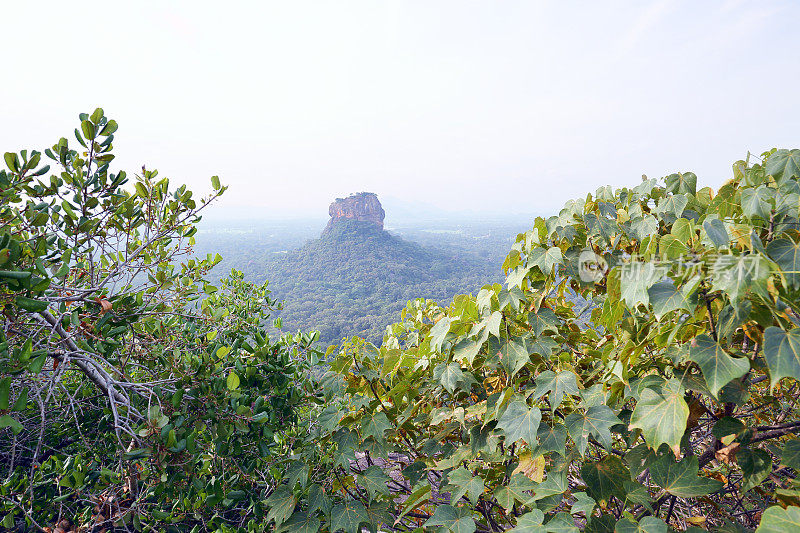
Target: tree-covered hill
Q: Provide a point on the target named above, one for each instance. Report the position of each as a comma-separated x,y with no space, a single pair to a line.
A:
356,277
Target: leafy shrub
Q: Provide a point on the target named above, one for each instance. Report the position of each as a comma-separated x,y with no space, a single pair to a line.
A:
637,371
133,392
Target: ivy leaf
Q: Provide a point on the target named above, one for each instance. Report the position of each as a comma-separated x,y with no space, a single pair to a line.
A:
680,478
530,523
636,278
736,275
681,183
301,522
673,205
606,478
716,232
348,516
516,490
374,480
378,514
448,375
466,349
561,523
329,418
281,505
552,439
583,504
439,332
555,484
782,353
756,465
786,253
718,367
779,520
545,259
463,482
755,202
665,297
648,524
520,422
452,519
783,165
375,425
513,356
544,346
346,443
662,414
543,320
556,384
791,454
596,421
644,226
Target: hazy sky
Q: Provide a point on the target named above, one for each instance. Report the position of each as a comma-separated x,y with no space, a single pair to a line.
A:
490,107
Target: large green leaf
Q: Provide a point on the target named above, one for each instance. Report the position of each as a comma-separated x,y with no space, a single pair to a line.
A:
661,414
375,424
281,505
556,384
778,520
461,482
520,422
648,524
680,478
301,522
636,278
516,491
448,375
756,202
513,355
374,480
791,454
665,297
718,367
545,259
784,165
756,465
716,232
561,523
583,504
552,439
596,421
530,523
681,183
786,253
555,484
543,320
348,516
606,478
782,353
452,519
644,226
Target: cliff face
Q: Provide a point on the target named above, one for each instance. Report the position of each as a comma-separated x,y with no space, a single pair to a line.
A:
363,207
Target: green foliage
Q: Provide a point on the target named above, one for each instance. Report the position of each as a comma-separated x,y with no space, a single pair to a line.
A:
133,392
629,376
637,371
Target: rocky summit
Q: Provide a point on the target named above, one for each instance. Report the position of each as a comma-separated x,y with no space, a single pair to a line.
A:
362,206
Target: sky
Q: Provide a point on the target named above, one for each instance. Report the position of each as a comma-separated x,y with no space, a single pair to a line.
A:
487,108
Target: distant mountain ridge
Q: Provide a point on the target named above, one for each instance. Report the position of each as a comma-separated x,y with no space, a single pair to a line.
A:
357,276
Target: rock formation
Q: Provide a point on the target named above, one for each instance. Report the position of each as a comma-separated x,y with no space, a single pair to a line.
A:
362,206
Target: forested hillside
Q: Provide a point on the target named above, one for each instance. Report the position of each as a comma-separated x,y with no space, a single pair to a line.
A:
137,395
356,278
